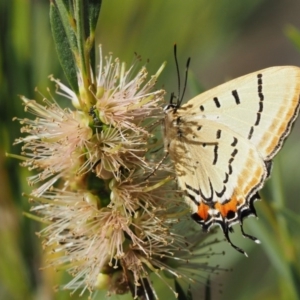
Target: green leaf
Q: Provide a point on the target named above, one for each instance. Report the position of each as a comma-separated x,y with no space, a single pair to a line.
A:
181,293
94,7
86,15
66,12
64,42
73,24
81,34
208,290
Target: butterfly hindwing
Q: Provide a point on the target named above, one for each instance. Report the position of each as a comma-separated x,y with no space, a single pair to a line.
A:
214,164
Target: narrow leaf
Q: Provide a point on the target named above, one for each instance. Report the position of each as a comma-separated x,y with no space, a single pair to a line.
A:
63,47
208,290
94,7
181,293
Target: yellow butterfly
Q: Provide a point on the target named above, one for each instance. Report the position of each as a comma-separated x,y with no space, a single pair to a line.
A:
222,143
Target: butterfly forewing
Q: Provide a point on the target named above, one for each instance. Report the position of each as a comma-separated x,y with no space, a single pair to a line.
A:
222,142
260,106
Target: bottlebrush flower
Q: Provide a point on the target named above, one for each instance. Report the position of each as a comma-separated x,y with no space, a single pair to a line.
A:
55,141
117,247
125,100
109,216
63,143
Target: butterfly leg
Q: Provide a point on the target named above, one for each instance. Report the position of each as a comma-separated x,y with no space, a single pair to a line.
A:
158,165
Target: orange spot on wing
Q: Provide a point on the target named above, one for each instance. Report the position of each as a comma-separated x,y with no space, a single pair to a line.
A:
203,211
229,206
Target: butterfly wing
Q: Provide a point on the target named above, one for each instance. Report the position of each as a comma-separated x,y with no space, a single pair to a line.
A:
261,106
218,169
222,142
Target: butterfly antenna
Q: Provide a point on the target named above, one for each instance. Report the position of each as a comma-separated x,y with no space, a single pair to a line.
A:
172,97
185,81
178,74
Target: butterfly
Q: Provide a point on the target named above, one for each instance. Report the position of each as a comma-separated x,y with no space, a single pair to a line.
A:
222,143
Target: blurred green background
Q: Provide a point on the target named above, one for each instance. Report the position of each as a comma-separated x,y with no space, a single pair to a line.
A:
225,39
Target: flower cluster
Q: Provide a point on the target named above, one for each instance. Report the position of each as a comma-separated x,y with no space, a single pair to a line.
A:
110,213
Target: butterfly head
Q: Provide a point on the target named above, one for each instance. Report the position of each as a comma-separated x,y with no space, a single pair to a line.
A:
172,107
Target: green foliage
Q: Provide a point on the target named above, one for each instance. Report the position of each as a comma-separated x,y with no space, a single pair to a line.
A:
65,41
73,27
200,29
